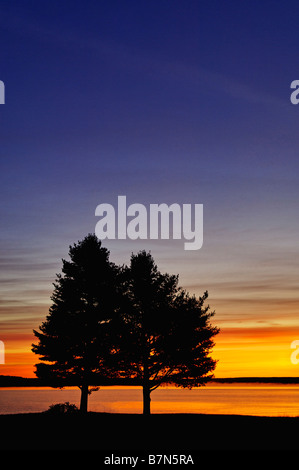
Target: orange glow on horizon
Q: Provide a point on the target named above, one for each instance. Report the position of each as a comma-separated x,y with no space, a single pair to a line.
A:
241,352
255,352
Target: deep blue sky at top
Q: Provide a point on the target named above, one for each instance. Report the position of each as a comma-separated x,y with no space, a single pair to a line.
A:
162,101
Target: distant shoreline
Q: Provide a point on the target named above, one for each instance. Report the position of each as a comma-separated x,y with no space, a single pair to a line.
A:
15,381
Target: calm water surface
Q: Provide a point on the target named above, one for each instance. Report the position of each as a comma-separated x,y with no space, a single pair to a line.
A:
258,400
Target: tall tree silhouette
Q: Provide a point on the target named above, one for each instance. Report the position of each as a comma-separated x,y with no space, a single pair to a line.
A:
74,340
165,334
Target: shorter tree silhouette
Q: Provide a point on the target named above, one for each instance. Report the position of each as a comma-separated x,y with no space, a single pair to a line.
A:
165,335
74,341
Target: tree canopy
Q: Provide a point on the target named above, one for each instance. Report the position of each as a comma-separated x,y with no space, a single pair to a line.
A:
73,341
165,334
130,322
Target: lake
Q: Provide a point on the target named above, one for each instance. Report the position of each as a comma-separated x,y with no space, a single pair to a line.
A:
243,399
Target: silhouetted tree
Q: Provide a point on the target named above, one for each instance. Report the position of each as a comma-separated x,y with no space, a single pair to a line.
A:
74,340
164,334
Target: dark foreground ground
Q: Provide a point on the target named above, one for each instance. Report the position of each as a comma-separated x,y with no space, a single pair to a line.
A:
178,433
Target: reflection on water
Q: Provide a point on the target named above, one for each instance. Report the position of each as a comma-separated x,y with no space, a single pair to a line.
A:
259,400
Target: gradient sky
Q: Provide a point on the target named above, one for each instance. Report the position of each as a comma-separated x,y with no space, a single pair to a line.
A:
161,101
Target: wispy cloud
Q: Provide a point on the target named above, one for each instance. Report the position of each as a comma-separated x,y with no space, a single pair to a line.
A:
132,59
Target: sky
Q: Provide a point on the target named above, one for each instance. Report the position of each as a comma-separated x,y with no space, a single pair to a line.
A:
163,102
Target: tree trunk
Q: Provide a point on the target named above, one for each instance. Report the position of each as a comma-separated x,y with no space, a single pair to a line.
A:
146,400
84,398
146,383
